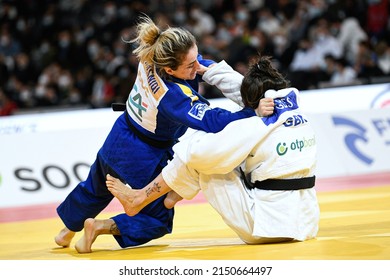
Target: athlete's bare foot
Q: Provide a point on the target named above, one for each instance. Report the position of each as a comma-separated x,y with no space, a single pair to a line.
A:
171,199
92,229
85,243
64,237
132,200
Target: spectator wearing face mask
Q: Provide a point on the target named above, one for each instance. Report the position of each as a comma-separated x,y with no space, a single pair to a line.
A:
343,73
324,41
349,33
307,66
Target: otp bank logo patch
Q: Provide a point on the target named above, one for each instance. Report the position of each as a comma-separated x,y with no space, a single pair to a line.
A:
298,145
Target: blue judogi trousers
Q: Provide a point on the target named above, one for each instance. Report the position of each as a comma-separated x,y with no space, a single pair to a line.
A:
124,156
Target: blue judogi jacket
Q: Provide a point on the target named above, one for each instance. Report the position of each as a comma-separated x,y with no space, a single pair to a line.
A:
139,145
160,110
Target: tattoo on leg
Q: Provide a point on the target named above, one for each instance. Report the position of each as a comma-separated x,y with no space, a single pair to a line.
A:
156,188
114,230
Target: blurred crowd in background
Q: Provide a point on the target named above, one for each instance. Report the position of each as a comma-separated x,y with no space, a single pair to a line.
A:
70,54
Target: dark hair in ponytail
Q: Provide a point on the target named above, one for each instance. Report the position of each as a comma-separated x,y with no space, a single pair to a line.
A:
261,76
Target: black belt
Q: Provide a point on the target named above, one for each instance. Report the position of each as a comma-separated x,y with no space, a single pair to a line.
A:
281,184
152,142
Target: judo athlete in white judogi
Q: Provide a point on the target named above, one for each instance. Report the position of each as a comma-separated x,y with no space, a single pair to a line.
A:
257,173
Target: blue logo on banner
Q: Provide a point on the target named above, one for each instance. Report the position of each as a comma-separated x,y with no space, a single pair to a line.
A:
353,138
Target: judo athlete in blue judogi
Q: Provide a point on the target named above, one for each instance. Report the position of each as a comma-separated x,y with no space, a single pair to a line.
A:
264,189
162,104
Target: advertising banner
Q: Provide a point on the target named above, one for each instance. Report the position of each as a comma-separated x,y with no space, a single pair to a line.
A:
44,156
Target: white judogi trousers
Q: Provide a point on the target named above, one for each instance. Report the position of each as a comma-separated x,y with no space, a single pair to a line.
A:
255,215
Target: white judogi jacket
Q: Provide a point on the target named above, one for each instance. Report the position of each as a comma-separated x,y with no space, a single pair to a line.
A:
282,146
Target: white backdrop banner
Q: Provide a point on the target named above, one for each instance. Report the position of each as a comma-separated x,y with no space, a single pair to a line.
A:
44,156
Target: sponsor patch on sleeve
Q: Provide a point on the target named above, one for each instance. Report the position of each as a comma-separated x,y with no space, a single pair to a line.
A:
198,111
